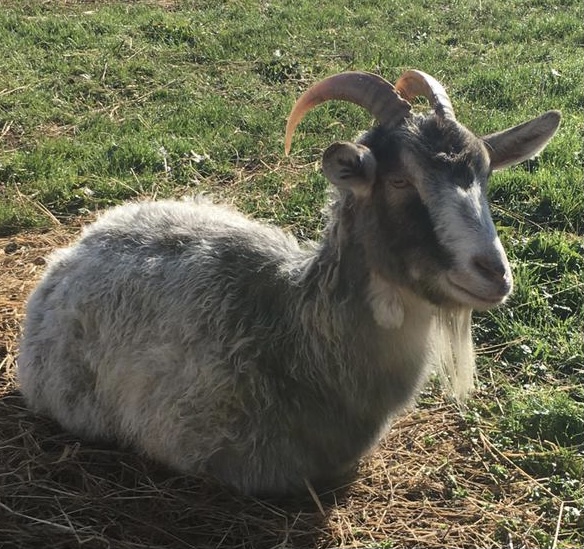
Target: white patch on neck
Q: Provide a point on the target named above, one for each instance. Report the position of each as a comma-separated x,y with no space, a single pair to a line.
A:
386,303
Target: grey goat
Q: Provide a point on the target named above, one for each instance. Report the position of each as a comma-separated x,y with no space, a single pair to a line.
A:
218,345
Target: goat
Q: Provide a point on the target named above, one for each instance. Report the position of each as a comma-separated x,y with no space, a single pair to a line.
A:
218,345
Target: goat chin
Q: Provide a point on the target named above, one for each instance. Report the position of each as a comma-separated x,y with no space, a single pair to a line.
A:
453,350
450,338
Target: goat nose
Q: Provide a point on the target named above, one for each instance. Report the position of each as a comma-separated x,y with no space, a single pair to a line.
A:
489,266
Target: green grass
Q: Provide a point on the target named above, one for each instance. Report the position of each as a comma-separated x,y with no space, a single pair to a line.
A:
104,102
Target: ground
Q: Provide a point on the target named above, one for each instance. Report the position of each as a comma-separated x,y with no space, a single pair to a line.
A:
107,101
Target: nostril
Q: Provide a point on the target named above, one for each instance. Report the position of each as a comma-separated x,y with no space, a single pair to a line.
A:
489,267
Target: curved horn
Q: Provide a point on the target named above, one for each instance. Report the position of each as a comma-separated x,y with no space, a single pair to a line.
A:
367,90
413,83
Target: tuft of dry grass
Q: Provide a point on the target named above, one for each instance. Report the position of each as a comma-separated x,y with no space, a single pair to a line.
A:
431,483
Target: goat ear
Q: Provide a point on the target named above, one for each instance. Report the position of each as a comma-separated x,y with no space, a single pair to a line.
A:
350,166
519,143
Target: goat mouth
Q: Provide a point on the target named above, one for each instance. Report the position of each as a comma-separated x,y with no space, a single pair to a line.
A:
478,301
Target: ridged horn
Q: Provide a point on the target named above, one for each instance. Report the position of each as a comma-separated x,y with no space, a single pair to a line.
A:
413,83
367,90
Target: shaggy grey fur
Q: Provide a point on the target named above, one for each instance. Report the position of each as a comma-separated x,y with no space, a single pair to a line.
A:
218,345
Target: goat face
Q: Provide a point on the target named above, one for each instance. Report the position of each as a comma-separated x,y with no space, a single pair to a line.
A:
425,219
418,187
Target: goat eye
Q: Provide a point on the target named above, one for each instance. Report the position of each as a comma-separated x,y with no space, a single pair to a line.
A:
399,183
